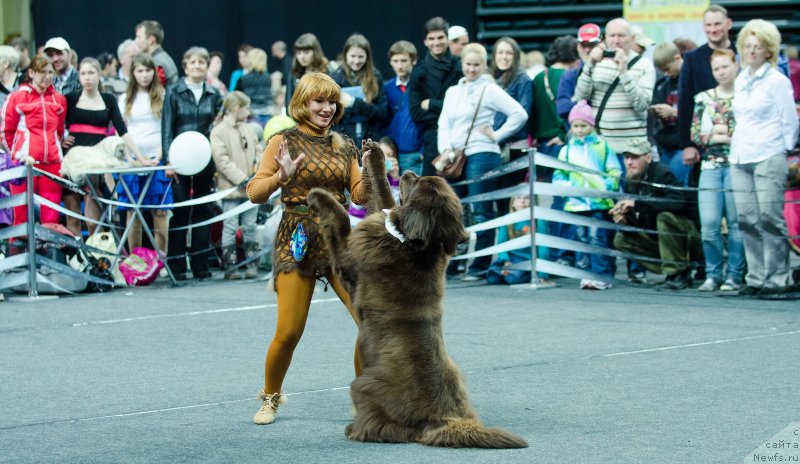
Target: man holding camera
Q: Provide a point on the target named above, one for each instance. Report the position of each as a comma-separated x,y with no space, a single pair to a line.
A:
618,83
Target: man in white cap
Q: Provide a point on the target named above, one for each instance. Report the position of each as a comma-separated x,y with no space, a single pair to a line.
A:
66,79
640,40
458,37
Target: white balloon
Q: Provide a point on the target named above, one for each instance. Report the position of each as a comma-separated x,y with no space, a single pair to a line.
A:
189,153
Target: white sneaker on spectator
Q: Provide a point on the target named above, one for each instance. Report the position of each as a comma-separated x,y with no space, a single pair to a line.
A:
710,285
730,285
587,284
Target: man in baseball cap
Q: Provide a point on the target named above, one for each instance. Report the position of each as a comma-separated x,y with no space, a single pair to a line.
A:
589,35
589,32
66,79
678,241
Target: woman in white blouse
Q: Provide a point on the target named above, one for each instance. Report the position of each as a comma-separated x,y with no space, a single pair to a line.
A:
483,153
141,107
766,130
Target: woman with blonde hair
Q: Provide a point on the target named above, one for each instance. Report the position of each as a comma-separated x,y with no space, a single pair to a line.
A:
766,130
257,85
9,79
364,112
296,160
234,144
141,105
467,121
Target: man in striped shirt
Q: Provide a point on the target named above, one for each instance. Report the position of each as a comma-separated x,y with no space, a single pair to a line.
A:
624,116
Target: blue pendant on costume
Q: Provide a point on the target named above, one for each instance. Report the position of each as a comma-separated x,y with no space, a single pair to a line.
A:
299,242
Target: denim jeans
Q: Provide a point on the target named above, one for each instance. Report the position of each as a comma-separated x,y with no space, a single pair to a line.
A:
674,159
713,207
557,229
598,237
476,166
410,162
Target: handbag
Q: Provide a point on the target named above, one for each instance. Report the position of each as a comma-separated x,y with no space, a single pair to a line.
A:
453,168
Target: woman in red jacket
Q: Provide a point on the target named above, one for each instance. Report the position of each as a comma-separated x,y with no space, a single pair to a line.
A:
32,128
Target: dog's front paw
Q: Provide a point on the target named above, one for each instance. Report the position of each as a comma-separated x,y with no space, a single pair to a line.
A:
375,158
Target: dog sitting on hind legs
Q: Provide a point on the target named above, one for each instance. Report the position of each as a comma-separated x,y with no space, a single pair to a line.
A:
393,264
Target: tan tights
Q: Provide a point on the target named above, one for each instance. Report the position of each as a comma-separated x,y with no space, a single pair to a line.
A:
160,230
294,298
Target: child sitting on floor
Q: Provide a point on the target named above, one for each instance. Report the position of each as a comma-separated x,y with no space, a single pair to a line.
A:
500,271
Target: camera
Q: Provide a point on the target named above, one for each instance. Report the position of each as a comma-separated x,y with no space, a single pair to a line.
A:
609,53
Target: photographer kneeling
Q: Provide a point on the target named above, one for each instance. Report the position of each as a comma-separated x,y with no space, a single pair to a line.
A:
677,243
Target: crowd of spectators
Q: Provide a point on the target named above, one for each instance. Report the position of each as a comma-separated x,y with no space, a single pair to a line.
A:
721,117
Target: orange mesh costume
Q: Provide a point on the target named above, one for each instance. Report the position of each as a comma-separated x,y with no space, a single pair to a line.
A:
326,166
331,162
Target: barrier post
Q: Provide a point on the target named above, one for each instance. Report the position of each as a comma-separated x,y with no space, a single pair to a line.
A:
32,290
536,284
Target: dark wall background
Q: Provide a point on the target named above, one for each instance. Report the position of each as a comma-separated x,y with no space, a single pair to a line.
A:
94,26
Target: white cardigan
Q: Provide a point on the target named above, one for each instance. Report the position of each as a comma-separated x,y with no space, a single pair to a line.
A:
458,109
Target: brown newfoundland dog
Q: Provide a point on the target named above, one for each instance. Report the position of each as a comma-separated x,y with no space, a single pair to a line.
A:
393,263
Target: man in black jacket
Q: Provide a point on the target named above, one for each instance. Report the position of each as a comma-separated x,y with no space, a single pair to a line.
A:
430,79
696,75
677,243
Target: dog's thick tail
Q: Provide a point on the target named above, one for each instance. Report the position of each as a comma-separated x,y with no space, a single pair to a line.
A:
468,433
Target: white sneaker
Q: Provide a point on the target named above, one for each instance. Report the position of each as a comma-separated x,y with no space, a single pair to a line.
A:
730,285
710,285
587,284
600,285
269,407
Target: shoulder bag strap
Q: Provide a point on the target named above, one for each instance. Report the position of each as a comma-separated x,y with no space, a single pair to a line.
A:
610,90
475,116
547,85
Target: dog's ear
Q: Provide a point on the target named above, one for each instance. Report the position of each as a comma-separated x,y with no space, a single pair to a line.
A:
452,228
418,226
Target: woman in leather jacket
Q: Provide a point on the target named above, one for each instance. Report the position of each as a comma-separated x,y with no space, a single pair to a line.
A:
190,105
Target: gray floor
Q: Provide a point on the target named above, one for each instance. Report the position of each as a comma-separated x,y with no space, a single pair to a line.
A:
630,375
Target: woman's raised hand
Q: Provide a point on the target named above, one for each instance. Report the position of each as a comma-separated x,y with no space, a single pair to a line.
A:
286,165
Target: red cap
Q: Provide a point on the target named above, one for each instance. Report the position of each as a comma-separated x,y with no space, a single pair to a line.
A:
589,32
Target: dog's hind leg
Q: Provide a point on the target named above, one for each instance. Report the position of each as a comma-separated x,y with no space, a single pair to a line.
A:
371,423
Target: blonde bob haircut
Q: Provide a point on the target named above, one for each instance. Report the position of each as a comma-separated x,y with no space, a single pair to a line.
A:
767,35
313,85
476,48
258,60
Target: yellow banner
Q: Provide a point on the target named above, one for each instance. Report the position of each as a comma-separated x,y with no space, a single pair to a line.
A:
663,11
